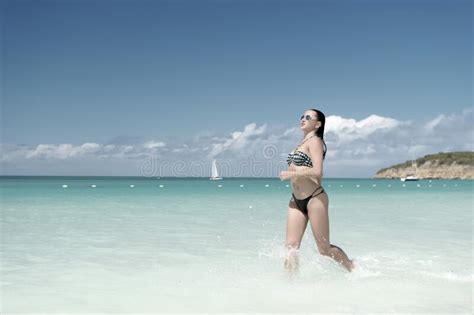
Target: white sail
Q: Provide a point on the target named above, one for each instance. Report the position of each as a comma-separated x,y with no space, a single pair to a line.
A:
215,173
415,167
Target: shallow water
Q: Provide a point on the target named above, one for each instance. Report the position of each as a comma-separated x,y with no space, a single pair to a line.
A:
192,246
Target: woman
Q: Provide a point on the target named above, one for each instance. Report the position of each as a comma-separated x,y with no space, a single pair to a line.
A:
309,200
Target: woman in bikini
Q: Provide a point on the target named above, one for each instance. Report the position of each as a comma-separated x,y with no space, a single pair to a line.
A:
309,200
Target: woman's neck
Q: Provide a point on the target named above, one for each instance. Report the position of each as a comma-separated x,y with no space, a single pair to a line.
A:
308,134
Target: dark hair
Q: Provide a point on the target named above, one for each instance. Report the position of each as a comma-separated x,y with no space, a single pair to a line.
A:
320,132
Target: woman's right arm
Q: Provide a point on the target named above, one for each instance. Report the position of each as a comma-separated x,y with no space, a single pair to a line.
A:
308,172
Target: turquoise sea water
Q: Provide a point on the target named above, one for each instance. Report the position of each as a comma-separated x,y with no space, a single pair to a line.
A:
188,245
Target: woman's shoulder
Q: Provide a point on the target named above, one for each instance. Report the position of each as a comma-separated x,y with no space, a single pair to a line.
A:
312,143
315,141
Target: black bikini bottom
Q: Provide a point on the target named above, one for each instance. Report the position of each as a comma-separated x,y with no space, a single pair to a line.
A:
302,204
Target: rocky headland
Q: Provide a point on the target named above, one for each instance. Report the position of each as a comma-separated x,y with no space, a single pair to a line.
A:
443,165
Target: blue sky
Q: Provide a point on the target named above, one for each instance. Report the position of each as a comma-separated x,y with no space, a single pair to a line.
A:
195,74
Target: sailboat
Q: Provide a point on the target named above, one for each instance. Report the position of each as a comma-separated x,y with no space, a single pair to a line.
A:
215,174
411,177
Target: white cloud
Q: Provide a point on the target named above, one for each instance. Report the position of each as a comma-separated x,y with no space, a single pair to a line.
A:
127,148
348,130
430,125
238,139
450,122
109,147
154,144
62,151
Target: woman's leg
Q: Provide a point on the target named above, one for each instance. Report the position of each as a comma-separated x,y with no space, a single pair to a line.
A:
296,225
319,218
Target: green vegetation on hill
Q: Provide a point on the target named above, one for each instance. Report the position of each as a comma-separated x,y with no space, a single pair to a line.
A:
461,158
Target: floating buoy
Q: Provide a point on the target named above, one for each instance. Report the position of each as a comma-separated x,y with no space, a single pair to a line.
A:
403,185
161,186
93,186
418,185
64,186
132,186
287,185
241,185
374,185
250,207
219,185
267,185
430,180
357,185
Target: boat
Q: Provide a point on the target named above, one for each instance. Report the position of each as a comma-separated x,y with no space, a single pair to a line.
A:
411,177
215,173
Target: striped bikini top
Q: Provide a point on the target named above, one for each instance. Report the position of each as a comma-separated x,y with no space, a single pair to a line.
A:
299,158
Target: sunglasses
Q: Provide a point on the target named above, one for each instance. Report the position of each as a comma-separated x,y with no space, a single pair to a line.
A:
307,117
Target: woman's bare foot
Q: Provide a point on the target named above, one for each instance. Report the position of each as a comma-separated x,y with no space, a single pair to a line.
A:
351,267
348,264
354,265
291,262
291,265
